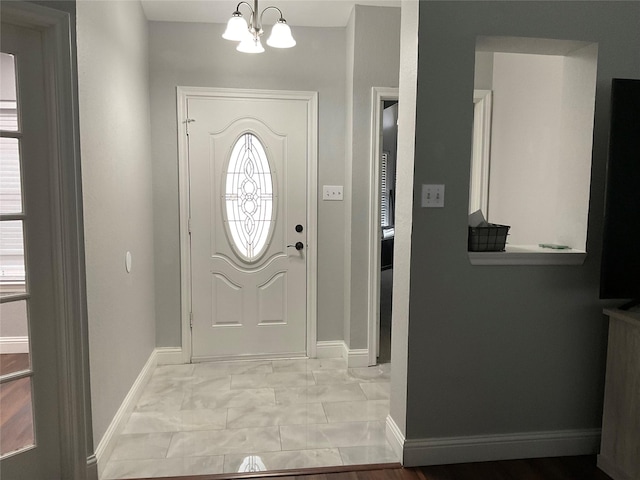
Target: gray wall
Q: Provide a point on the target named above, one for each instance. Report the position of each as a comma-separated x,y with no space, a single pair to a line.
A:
502,349
113,86
376,63
184,54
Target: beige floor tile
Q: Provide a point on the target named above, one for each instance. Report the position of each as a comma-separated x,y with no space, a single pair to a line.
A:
369,454
223,442
320,393
143,446
176,421
272,380
361,411
327,457
376,391
261,416
211,418
164,467
330,435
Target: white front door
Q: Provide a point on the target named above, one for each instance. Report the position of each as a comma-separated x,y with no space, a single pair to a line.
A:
248,209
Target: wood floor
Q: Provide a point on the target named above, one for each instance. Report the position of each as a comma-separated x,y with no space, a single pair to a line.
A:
557,468
13,362
16,419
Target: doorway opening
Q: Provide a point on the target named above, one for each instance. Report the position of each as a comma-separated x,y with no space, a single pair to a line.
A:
257,410
387,222
384,136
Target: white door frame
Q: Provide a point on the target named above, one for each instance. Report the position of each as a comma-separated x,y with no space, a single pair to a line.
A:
481,151
378,95
183,95
77,460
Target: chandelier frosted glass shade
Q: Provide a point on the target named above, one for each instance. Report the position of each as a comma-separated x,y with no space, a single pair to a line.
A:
250,44
281,35
249,33
237,28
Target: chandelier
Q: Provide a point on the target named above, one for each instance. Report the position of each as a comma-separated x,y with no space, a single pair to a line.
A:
248,34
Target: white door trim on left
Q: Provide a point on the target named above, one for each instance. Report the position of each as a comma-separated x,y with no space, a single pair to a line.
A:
480,152
182,96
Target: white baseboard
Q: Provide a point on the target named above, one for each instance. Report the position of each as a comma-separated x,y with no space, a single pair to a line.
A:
169,356
108,441
357,357
438,451
330,349
14,344
395,438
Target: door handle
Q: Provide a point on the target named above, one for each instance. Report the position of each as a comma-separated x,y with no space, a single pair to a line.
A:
297,246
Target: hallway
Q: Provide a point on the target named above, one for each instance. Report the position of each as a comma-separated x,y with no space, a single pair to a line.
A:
262,415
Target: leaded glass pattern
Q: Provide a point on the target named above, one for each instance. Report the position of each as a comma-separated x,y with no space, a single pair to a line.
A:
249,197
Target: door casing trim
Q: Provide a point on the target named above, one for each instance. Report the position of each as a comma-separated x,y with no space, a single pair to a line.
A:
183,94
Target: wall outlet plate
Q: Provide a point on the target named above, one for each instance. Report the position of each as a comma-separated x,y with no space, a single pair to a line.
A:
332,192
433,196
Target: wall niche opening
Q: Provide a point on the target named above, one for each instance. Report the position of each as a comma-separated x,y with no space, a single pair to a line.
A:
534,105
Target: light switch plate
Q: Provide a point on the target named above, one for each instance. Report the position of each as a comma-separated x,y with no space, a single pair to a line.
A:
433,196
332,192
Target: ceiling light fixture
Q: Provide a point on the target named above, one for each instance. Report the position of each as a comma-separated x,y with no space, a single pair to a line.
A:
248,34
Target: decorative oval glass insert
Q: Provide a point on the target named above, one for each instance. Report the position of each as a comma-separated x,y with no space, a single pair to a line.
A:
249,197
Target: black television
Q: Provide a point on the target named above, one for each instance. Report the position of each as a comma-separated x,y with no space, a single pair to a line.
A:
620,267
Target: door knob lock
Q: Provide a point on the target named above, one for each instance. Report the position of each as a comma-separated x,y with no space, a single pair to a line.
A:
297,246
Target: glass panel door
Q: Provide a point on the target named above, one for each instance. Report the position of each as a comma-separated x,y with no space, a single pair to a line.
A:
29,312
16,382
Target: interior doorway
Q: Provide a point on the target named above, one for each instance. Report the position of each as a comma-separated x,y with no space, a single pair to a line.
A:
259,414
388,162
384,136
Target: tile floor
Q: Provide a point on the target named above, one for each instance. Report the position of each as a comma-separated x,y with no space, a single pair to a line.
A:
227,417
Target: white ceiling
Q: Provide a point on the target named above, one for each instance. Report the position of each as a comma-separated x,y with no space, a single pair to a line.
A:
302,13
